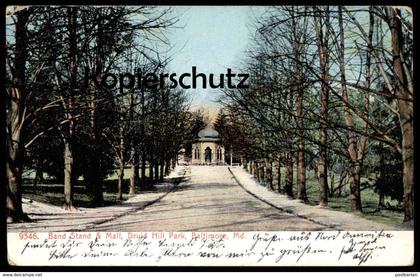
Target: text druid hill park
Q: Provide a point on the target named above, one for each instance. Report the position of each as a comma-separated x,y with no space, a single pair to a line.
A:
153,80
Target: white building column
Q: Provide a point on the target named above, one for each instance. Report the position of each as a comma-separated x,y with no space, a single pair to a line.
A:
223,154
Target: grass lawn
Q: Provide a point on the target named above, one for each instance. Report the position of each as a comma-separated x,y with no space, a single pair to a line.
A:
52,193
127,173
370,200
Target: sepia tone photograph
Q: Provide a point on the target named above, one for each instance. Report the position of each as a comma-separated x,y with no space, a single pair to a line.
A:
208,119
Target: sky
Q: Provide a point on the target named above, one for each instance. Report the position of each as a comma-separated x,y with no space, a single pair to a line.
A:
213,38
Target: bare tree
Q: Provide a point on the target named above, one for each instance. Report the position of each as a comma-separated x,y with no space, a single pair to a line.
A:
16,121
401,90
322,39
355,155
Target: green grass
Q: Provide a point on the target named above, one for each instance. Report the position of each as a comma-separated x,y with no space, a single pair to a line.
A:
127,173
370,200
52,193
113,175
79,199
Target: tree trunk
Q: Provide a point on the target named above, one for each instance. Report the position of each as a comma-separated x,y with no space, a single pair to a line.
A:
258,171
288,178
381,202
322,177
69,178
93,179
14,191
14,186
356,203
380,179
134,174
35,180
15,127
95,176
269,174
143,146
341,183
120,179
156,170
301,167
161,171
356,156
279,174
121,157
405,110
403,74
261,171
39,173
175,161
322,44
151,174
167,167
251,167
331,190
143,172
288,186
68,175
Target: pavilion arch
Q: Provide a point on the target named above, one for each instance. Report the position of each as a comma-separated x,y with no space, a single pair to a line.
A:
207,148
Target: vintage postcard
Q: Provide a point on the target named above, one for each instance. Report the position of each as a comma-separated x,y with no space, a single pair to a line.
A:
209,136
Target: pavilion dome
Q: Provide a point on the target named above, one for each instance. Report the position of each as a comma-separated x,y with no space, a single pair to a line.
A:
208,133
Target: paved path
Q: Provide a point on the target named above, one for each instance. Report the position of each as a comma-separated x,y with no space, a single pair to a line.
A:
334,219
208,199
211,200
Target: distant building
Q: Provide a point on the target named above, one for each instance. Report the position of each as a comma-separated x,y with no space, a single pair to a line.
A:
207,148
